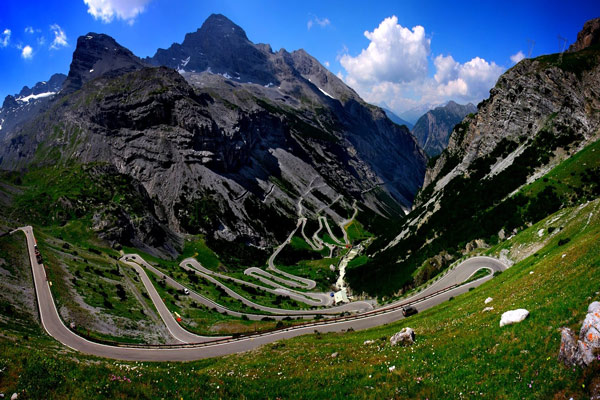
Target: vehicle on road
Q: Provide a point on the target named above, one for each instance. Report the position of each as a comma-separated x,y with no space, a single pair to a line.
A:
409,310
186,291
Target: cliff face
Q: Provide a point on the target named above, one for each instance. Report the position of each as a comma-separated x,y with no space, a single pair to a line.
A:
530,96
541,112
98,55
588,36
219,155
433,129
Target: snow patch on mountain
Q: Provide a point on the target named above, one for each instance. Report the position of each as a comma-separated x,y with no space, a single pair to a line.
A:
325,93
35,96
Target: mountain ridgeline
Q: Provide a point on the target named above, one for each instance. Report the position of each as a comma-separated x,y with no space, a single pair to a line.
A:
222,136
495,177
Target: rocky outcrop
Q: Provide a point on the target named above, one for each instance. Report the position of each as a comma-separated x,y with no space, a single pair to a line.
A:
536,94
584,350
405,337
588,36
433,129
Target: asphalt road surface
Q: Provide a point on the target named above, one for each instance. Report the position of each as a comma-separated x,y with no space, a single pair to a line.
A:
55,327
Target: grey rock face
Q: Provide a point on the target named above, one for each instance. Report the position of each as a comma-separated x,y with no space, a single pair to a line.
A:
219,46
526,98
433,129
405,337
97,55
582,351
588,36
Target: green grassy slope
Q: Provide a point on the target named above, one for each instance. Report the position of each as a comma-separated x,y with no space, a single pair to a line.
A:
460,351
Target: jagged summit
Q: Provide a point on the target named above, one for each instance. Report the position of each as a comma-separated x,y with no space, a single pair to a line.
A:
54,84
221,47
218,26
97,55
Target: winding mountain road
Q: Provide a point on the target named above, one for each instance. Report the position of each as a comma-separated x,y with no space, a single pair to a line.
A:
433,295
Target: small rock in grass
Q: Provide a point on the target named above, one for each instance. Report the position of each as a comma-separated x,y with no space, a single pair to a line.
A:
530,272
334,355
488,309
392,368
405,336
488,300
368,342
513,316
14,396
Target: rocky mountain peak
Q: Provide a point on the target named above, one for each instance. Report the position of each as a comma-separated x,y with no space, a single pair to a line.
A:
97,55
216,27
433,129
588,36
219,47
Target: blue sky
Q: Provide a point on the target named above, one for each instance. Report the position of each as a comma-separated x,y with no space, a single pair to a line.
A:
456,51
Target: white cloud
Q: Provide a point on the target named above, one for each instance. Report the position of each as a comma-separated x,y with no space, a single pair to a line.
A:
446,68
27,52
395,54
5,38
515,58
393,69
29,29
60,38
322,22
472,81
107,10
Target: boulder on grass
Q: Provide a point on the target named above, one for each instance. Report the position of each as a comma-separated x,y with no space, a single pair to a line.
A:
405,336
513,316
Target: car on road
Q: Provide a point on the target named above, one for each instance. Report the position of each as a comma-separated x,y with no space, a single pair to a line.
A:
409,310
186,291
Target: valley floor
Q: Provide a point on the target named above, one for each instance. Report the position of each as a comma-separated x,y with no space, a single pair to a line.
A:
460,351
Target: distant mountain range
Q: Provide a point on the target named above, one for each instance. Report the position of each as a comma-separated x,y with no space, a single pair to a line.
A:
396,119
412,115
28,103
